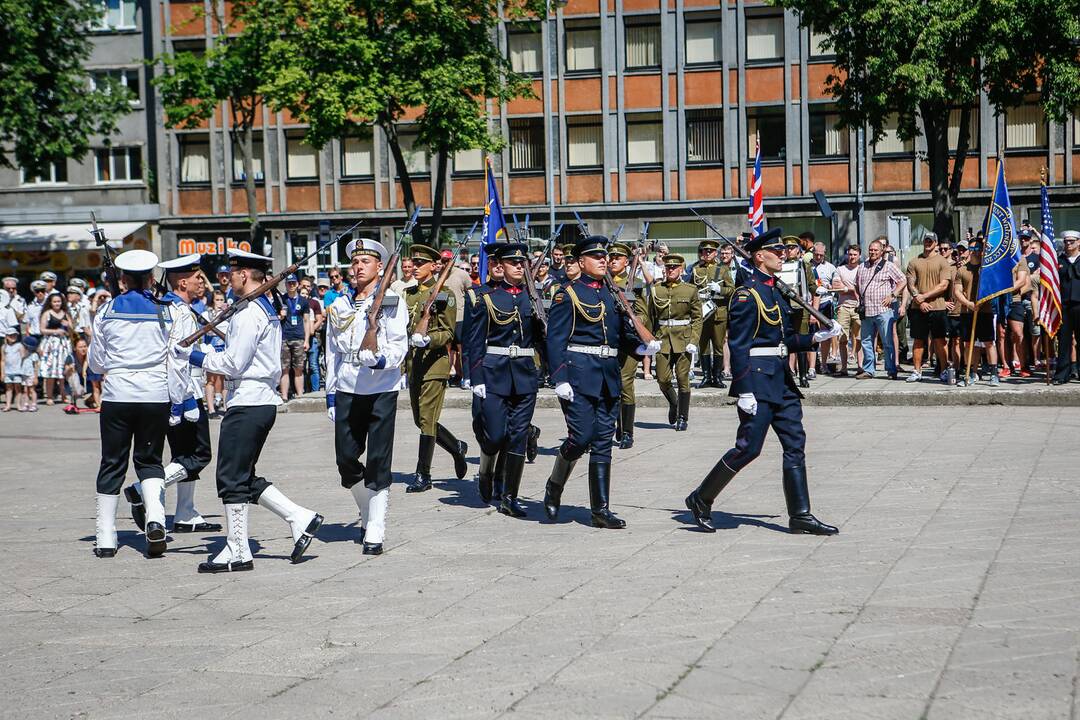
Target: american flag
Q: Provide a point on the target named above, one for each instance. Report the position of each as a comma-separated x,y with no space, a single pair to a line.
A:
756,214
1050,298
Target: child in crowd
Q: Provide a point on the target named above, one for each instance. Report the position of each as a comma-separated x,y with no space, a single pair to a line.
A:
13,379
31,366
215,384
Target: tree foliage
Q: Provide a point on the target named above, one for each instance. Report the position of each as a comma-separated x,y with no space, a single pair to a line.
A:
920,59
48,110
346,63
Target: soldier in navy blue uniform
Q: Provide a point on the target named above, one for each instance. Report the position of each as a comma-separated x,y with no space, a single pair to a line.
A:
502,344
586,329
760,338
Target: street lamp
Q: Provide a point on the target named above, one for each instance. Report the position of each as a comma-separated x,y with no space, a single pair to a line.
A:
553,148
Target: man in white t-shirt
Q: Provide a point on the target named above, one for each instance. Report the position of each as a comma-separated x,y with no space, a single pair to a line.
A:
847,304
823,272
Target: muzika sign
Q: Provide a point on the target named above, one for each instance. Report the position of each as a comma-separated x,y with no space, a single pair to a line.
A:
219,246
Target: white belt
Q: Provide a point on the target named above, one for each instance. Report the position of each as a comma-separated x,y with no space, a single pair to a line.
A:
512,351
674,323
603,351
231,385
778,351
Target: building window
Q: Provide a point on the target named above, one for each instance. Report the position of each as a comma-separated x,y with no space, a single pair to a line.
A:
128,78
1076,127
768,125
585,142
826,139
704,136
417,157
525,48
194,159
1025,128
818,47
53,174
765,37
644,139
357,157
703,42
116,15
256,161
118,164
642,46
301,159
890,143
582,49
527,144
954,129
469,161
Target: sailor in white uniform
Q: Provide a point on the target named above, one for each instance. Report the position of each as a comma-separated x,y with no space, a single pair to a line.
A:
189,426
362,388
131,345
251,364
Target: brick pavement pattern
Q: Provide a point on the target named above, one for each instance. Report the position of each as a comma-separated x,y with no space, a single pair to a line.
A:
953,590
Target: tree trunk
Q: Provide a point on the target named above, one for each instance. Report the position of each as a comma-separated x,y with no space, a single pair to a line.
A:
404,179
440,194
247,152
936,125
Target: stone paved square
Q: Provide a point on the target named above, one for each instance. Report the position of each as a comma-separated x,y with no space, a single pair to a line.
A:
953,590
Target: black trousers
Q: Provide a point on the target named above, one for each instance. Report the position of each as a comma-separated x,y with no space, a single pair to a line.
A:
590,425
243,434
123,423
504,422
365,421
1070,331
785,418
189,444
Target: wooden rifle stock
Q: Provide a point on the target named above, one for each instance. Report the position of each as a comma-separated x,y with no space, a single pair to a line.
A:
371,333
624,305
421,327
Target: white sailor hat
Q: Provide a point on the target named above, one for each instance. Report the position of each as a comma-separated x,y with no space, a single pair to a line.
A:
79,283
364,246
74,289
245,259
38,285
12,278
184,263
1070,235
48,275
136,262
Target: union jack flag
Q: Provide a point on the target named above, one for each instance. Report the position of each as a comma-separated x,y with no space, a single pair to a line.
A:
1050,298
756,214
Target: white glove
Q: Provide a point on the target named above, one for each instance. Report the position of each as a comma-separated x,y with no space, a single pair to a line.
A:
832,331
747,403
191,410
564,391
176,414
332,414
691,348
420,341
648,349
366,358
480,391
714,287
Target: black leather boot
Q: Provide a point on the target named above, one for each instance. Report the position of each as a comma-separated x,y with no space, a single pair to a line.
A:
798,505
718,371
699,502
553,490
138,510
673,404
706,371
486,478
422,479
456,448
599,485
532,444
500,475
684,411
800,363
626,440
515,466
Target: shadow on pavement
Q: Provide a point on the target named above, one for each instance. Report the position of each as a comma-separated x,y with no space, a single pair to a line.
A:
728,521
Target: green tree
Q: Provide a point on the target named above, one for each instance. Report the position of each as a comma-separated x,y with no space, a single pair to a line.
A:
229,74
922,59
48,110
351,62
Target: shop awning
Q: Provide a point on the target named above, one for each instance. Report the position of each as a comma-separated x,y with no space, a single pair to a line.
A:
62,237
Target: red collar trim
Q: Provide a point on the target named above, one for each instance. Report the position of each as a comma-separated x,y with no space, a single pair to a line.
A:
770,281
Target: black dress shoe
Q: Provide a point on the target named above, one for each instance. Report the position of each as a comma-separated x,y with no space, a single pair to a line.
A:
155,539
804,382
302,544
105,552
510,506
420,483
181,527
702,513
607,520
810,525
532,446
461,463
138,510
552,497
212,567
626,442
373,548
680,424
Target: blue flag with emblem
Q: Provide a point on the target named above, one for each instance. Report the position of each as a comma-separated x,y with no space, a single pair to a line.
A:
494,230
1002,250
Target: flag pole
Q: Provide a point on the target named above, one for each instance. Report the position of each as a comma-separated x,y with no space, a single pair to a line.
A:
975,284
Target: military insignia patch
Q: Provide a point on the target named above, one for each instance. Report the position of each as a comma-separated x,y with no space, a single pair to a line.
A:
559,297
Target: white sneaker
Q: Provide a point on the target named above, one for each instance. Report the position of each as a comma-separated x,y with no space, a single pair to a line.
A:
915,376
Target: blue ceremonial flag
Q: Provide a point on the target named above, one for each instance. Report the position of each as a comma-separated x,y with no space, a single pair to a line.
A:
494,230
1002,251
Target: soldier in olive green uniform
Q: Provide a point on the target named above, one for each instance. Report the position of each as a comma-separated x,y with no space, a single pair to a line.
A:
673,314
713,280
618,261
427,368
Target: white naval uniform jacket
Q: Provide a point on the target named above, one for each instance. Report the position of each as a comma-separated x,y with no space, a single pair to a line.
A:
251,360
134,345
345,330
186,325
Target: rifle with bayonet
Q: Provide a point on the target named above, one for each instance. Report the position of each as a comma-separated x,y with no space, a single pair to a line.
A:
424,322
371,333
531,290
265,287
111,277
782,286
623,304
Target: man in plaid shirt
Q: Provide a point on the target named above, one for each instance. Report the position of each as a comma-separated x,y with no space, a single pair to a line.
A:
879,284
